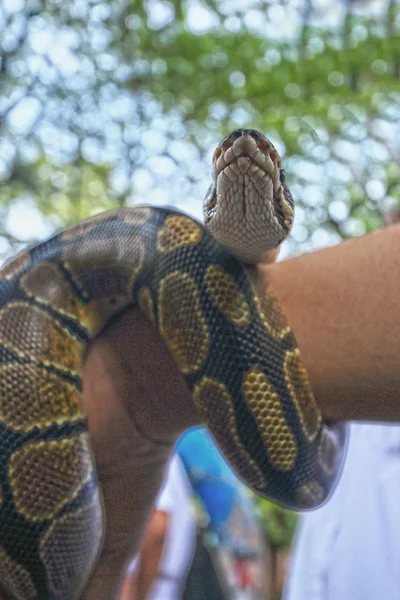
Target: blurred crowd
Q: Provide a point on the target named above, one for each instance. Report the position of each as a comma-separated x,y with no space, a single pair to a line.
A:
205,541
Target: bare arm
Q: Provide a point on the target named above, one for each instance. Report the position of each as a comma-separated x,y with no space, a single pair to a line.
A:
151,551
138,584
137,404
343,304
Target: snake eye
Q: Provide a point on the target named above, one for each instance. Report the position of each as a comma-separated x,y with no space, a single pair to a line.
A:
282,176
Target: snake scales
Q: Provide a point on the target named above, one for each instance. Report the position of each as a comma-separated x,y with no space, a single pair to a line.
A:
233,346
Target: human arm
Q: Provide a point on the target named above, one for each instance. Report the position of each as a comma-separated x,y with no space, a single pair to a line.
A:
151,551
343,305
129,378
138,584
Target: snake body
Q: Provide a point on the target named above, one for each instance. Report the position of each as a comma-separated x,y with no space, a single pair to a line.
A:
231,342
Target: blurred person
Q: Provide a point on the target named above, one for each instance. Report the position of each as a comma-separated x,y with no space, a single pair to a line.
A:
160,569
349,549
229,551
233,535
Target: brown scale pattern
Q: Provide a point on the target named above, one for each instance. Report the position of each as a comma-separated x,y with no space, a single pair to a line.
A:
300,390
141,215
81,229
32,333
15,266
214,402
265,406
16,578
309,494
267,307
44,476
33,397
176,232
181,321
104,254
146,304
47,284
224,292
72,541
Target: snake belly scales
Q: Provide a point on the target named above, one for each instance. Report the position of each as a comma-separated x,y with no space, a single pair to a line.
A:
233,346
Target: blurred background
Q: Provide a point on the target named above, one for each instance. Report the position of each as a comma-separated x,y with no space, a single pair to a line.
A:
121,102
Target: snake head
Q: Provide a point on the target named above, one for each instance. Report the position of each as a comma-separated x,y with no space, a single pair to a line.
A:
248,208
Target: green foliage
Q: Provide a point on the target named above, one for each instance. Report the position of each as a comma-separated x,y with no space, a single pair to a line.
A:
279,524
118,103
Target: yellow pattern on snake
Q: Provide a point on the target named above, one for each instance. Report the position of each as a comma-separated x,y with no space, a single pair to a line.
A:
231,342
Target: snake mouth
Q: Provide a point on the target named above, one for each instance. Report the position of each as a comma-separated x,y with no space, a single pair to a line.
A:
245,150
239,160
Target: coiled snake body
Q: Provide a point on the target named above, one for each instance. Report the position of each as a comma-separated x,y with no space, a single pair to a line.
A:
232,344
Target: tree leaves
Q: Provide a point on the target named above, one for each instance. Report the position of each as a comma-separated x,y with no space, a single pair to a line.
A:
132,96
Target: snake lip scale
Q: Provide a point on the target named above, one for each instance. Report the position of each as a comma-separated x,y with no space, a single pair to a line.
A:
224,328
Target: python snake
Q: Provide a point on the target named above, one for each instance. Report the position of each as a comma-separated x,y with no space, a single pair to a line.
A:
232,344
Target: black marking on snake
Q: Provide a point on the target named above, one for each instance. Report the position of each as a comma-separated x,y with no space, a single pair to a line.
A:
67,323
75,289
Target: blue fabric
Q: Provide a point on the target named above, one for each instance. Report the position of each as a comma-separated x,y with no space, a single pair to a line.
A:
227,502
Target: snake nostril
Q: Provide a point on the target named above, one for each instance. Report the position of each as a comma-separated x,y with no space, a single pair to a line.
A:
262,142
254,134
232,137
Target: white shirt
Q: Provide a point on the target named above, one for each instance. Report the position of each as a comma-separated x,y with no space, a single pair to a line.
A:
175,498
349,549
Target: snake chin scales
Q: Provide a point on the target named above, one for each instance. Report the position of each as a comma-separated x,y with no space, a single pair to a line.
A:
230,341
248,208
